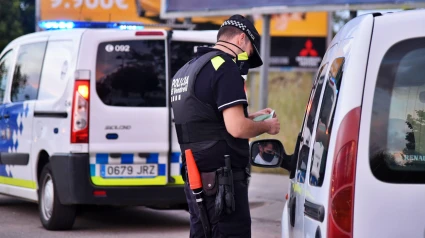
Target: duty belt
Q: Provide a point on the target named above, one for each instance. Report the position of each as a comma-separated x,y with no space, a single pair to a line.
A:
238,175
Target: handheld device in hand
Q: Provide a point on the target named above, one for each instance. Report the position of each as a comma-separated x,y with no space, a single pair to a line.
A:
264,117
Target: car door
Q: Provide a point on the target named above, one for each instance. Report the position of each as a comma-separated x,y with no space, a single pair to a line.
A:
6,72
297,188
390,177
316,204
183,48
19,108
17,113
129,140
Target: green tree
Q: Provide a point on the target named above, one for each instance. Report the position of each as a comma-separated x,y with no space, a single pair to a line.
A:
340,18
10,25
27,15
17,17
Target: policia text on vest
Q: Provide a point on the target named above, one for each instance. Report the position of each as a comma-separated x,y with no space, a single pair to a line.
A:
212,121
179,86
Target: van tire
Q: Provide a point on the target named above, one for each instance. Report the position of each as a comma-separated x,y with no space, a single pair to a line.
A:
53,215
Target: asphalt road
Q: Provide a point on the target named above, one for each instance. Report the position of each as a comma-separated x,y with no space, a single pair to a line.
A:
19,219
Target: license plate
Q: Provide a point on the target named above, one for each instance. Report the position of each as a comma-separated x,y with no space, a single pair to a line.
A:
129,170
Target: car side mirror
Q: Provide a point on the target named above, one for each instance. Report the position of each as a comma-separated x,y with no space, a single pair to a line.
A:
269,153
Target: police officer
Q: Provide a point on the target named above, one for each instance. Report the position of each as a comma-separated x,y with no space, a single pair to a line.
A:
210,112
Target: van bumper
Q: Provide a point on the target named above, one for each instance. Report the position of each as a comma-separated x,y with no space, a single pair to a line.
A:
71,175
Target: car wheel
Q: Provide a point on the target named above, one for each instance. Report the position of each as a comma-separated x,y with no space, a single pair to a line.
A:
53,215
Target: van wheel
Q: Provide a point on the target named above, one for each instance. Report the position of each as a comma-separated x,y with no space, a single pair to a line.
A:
53,215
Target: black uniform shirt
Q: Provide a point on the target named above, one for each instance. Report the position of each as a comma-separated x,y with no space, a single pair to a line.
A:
221,88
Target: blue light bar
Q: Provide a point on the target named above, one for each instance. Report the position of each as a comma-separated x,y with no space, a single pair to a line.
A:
63,25
56,25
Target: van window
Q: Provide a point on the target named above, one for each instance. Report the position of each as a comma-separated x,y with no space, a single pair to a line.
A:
324,123
397,141
26,78
5,64
131,73
309,121
56,71
182,52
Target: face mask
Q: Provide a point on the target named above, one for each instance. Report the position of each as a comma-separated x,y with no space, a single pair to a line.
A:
268,156
241,59
243,63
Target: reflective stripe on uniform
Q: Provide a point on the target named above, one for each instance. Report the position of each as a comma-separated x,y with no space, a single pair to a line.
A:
217,62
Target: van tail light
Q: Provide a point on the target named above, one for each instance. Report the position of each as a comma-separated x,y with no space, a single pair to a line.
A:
341,203
80,108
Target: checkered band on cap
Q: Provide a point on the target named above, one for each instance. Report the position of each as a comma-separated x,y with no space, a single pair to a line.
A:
234,23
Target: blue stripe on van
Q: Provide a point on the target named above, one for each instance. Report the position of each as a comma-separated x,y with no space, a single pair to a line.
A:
127,158
161,169
175,157
102,158
92,170
152,158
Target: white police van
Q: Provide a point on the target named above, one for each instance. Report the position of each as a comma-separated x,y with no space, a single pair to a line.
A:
359,166
85,118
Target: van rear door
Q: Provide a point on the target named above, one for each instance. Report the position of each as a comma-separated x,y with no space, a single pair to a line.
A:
390,181
182,49
129,116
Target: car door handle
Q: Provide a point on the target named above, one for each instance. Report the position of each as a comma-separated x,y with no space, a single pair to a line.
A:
6,116
314,211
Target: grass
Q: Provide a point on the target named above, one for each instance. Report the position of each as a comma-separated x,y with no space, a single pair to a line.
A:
288,95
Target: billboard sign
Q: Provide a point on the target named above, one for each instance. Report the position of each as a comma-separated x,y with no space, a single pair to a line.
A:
297,39
188,8
92,10
295,24
298,52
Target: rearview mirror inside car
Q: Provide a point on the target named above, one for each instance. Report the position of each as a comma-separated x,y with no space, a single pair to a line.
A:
269,153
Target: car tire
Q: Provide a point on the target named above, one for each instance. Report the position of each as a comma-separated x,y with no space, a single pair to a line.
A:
53,215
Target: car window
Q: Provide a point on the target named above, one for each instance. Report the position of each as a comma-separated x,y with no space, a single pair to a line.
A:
324,123
5,70
397,133
131,73
308,126
26,78
56,71
182,52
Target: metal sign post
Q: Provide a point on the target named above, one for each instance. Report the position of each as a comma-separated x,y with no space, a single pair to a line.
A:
265,56
330,29
37,14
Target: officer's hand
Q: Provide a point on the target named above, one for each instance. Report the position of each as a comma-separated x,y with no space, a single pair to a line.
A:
274,126
262,112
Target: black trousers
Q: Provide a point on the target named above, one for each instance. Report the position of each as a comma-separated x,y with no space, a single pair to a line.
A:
235,225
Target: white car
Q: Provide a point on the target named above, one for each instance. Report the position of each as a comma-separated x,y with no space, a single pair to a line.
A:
85,118
362,174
